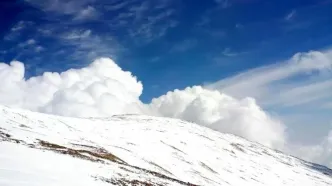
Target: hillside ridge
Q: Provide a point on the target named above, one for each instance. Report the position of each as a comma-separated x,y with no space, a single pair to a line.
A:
39,149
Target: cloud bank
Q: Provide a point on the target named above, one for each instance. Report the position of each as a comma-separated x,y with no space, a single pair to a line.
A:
104,89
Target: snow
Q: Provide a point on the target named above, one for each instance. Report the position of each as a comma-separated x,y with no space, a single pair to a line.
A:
178,151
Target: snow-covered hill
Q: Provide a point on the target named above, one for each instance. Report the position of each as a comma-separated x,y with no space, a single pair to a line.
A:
39,149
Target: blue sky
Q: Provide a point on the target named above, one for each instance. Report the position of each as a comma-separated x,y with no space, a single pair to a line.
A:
173,44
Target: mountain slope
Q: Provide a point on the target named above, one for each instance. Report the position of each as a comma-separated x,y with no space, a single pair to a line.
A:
40,149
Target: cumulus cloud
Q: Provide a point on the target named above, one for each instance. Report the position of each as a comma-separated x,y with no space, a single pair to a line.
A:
104,89
101,89
223,113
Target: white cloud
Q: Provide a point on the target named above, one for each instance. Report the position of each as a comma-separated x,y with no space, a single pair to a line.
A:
271,84
184,45
27,43
150,27
79,10
239,26
144,21
31,42
118,5
299,85
290,15
87,13
223,3
39,48
103,89
327,105
223,113
90,46
67,7
20,26
229,53
79,44
100,89
77,34
17,29
320,153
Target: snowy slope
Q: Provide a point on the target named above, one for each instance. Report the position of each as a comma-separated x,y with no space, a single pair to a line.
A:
40,149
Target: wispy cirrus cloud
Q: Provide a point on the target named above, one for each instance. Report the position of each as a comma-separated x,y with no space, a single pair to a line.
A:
223,3
16,30
76,34
117,25
62,7
27,43
81,44
21,25
90,45
184,45
144,21
118,4
290,15
39,48
87,13
228,52
272,85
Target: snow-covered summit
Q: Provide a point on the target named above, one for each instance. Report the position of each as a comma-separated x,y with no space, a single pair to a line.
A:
40,149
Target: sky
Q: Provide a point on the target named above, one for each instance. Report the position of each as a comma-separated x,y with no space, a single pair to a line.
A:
278,53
